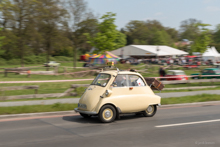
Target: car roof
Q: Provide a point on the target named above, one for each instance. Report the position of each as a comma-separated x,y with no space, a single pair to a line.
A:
115,72
211,69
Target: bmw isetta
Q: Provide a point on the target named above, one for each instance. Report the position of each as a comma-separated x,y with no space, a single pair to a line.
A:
115,92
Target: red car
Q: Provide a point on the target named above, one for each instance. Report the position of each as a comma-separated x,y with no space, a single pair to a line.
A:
191,65
176,75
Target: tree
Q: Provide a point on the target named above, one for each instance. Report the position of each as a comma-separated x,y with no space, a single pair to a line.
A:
203,39
149,32
15,15
1,38
189,29
77,12
216,37
108,38
50,18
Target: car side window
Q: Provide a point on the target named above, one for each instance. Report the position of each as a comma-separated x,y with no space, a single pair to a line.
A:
170,73
120,81
135,80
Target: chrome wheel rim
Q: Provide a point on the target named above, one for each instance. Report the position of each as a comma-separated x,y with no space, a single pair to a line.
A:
107,114
150,109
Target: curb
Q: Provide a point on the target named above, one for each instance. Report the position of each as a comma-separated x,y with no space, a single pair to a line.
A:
72,112
37,114
192,104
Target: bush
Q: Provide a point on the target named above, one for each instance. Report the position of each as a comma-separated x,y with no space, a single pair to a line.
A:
29,60
14,61
3,61
62,58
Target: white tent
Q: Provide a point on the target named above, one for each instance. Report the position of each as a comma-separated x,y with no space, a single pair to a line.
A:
147,50
211,54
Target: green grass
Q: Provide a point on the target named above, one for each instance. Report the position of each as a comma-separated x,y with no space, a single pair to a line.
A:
13,77
33,99
37,108
44,88
187,90
65,107
190,99
59,87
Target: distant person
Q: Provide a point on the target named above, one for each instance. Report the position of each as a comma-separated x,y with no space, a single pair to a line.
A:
162,73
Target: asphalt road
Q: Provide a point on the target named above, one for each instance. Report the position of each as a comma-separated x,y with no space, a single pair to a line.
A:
130,131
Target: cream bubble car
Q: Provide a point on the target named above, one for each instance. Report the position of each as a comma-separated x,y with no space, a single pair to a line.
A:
115,92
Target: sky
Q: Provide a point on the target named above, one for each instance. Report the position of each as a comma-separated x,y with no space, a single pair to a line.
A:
169,12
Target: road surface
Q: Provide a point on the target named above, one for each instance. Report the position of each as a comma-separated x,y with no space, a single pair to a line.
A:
186,126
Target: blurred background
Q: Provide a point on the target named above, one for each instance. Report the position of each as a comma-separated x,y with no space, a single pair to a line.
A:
72,40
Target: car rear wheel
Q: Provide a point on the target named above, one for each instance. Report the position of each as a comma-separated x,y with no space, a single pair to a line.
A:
107,114
85,115
150,111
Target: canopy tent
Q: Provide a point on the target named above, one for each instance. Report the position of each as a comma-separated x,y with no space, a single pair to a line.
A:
143,51
104,58
211,54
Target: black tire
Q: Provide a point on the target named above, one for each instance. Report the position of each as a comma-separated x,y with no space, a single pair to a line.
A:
107,114
85,115
150,111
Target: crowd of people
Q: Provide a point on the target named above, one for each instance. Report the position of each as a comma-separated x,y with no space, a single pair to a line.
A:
169,61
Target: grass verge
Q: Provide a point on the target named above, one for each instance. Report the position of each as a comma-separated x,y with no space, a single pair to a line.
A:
65,107
190,99
37,108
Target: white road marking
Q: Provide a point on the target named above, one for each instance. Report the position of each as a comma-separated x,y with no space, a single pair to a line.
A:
189,123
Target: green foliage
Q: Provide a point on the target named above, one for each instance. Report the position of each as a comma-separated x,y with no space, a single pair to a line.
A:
3,61
203,39
149,32
1,38
108,38
216,38
189,29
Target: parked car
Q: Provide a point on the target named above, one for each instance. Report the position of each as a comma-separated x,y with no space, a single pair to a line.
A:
210,72
176,75
191,65
51,64
116,92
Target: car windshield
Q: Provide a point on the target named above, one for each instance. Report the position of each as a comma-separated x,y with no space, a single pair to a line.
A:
101,80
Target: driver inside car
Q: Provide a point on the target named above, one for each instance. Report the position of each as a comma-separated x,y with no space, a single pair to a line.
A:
120,81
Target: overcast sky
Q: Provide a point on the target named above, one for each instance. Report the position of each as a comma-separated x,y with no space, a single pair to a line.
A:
169,12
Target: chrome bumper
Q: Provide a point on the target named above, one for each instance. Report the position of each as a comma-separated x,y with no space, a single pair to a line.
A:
85,112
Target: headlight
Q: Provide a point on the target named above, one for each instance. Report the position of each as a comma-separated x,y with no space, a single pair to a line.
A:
82,106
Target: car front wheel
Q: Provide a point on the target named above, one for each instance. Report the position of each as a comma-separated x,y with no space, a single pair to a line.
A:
150,111
107,114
